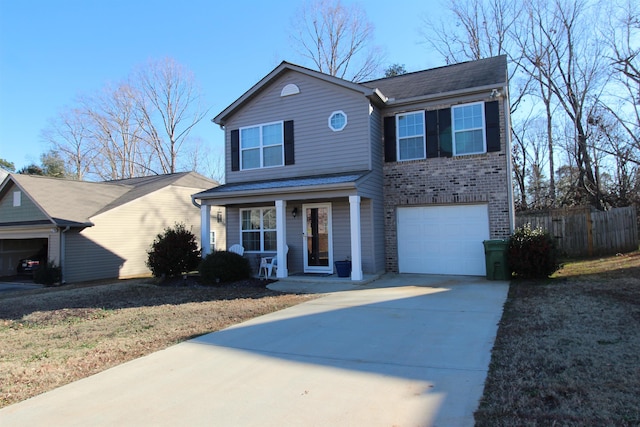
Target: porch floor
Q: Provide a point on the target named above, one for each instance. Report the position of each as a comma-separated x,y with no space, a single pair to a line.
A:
320,283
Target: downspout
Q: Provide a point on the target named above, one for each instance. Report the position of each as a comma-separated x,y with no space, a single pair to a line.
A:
196,204
507,116
62,254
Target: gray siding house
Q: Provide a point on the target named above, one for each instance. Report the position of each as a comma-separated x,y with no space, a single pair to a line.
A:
406,174
97,230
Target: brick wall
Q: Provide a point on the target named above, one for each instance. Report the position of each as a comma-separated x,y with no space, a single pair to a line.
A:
481,178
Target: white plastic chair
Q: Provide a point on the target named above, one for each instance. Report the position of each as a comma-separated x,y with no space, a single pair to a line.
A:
270,264
237,249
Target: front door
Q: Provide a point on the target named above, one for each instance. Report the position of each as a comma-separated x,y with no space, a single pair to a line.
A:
318,247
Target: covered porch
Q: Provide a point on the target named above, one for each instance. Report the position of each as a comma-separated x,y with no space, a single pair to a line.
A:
306,223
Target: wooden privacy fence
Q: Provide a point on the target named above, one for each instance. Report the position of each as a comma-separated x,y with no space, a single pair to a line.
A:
583,232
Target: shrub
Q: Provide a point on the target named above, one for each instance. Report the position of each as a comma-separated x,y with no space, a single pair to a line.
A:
173,252
532,253
48,275
223,266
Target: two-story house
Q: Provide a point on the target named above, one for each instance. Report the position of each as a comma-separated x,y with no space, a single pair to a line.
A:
406,174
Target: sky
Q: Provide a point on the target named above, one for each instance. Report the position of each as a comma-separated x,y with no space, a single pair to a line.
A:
51,52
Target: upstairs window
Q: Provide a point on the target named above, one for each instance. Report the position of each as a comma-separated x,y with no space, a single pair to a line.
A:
472,128
337,121
262,146
468,129
258,229
411,136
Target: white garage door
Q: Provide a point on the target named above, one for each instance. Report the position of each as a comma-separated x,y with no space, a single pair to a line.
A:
443,239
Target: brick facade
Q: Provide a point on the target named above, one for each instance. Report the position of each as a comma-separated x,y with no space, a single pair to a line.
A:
472,179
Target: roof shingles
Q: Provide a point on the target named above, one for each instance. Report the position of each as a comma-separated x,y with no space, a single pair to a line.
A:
74,203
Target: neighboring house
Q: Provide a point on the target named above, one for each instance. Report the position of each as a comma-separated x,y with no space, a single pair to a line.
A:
406,174
97,230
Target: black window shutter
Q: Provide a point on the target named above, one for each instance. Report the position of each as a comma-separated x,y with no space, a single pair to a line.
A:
289,157
492,121
235,150
444,131
390,139
431,123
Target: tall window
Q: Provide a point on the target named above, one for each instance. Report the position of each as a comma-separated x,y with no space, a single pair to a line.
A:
411,137
258,229
468,129
262,146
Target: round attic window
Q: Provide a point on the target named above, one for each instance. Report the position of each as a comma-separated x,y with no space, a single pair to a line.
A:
337,121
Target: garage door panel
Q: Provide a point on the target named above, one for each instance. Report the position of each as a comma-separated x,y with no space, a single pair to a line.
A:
442,239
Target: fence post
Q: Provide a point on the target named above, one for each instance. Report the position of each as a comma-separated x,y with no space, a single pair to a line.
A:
589,232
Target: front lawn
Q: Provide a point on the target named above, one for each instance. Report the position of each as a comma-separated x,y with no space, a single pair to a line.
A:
53,336
568,349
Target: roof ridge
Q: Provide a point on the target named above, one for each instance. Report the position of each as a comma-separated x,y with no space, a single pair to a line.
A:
426,70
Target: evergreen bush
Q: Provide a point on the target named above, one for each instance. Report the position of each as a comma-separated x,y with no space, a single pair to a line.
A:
532,253
173,252
224,266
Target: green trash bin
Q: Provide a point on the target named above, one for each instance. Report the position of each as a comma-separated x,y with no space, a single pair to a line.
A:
495,255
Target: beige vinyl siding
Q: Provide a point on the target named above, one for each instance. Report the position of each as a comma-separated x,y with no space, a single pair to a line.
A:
27,211
117,245
233,227
318,149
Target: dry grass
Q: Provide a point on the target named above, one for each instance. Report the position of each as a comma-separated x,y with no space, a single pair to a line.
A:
567,350
51,337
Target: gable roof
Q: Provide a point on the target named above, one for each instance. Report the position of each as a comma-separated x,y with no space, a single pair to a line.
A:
280,70
74,203
480,74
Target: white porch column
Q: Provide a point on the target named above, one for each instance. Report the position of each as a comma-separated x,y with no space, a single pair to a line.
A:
356,243
281,238
205,229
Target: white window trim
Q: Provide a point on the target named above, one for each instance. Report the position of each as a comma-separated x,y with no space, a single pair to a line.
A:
424,135
454,132
346,120
261,230
261,147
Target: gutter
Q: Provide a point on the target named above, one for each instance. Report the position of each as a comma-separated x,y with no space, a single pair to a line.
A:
443,95
63,263
351,185
194,203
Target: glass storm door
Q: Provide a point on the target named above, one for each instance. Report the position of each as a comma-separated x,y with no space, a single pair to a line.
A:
318,247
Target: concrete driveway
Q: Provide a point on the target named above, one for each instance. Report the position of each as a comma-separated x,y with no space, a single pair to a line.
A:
404,350
17,284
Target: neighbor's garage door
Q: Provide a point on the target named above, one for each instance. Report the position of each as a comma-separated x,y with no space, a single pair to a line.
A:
442,239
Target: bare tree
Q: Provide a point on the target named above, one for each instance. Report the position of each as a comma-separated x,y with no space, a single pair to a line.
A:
536,61
337,39
482,29
116,133
581,78
168,107
69,136
135,128
623,37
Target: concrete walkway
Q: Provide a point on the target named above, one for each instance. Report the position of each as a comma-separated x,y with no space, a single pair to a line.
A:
404,350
